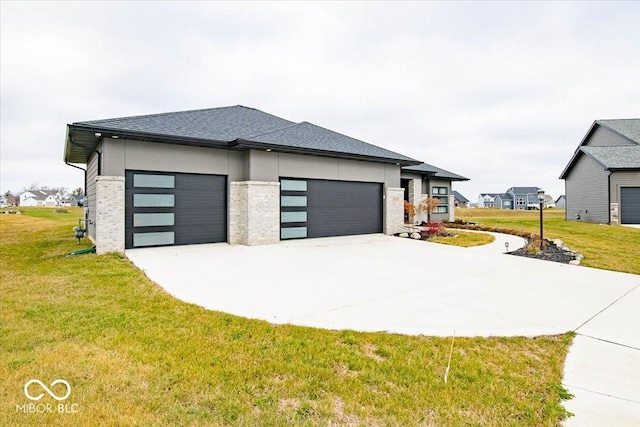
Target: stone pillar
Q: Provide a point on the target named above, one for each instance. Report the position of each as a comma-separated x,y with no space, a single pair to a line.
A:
109,222
393,210
615,217
415,191
254,213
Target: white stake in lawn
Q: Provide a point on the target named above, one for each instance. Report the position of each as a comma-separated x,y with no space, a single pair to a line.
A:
446,372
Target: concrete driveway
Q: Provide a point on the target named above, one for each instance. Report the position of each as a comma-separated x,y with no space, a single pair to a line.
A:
382,283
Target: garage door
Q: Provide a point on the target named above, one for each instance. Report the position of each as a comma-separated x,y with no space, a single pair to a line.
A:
174,209
630,205
321,208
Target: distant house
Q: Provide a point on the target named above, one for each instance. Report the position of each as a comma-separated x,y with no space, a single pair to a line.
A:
503,201
516,198
48,198
486,200
524,198
459,200
602,178
8,200
561,201
549,202
77,200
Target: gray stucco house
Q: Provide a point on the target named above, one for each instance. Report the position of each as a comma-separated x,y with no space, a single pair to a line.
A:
425,180
602,179
234,174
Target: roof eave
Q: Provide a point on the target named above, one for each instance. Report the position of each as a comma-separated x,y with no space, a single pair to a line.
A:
105,132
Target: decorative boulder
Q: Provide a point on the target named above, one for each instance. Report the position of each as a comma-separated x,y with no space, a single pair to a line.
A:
403,235
416,236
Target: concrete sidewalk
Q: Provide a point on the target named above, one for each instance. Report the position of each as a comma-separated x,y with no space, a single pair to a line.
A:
381,283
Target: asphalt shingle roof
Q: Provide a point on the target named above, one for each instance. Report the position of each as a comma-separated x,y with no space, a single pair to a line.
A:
240,125
617,157
435,171
309,136
524,190
459,197
629,128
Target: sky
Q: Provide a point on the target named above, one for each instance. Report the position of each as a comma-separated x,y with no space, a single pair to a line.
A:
499,92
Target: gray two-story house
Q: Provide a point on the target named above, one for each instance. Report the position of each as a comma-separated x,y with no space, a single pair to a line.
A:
602,178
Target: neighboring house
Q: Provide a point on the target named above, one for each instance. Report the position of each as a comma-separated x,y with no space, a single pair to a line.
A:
524,198
486,200
503,201
561,201
423,181
460,200
548,202
236,175
77,200
602,179
48,198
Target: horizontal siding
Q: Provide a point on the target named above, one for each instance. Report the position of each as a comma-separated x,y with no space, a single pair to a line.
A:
90,202
587,191
623,179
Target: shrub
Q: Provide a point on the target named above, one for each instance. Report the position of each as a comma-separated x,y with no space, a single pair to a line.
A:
409,210
433,229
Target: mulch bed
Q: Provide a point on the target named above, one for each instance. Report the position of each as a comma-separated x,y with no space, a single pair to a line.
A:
550,252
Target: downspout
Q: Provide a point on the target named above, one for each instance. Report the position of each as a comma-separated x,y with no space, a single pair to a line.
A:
84,209
609,195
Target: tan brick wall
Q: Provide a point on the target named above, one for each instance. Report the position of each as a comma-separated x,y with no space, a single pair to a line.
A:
254,213
109,215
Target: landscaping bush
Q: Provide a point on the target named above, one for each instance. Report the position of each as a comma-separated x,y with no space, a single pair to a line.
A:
433,229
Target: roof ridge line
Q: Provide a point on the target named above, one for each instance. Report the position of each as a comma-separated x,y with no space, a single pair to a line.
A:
163,114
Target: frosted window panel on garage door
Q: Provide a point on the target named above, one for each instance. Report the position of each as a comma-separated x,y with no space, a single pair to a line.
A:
291,185
153,239
153,219
293,201
293,217
293,233
154,181
153,200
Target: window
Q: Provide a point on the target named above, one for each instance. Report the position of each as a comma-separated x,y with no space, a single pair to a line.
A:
441,193
440,190
521,201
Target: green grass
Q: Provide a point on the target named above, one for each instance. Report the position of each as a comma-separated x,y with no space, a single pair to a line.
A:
603,246
134,355
464,239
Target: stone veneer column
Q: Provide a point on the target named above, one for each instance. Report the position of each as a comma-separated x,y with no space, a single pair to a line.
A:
109,220
254,213
415,192
393,210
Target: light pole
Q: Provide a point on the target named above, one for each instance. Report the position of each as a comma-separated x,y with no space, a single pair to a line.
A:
541,200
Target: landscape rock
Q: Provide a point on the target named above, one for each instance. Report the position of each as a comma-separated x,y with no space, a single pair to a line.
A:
416,236
403,235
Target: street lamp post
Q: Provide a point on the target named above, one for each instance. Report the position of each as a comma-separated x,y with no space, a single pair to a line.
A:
541,200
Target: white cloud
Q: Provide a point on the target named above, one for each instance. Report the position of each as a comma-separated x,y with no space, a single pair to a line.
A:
499,92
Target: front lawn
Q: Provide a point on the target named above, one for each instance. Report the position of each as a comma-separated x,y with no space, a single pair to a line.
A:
603,246
463,239
133,355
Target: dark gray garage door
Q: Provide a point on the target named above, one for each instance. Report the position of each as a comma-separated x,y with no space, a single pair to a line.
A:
321,208
630,205
174,209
